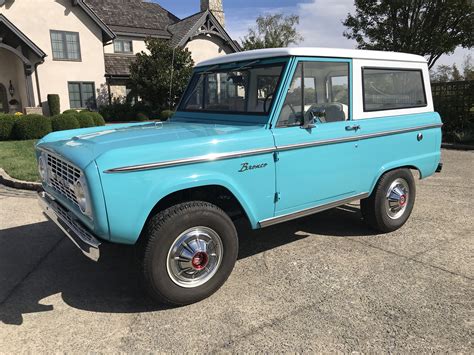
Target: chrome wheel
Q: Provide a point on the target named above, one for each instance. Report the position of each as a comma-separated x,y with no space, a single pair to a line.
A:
194,257
397,198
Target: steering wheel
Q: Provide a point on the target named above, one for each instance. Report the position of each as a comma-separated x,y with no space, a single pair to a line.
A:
265,101
293,111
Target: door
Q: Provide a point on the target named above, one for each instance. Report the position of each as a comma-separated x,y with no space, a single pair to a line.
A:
3,99
317,160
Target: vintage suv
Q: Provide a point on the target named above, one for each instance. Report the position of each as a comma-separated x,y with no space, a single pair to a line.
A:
267,135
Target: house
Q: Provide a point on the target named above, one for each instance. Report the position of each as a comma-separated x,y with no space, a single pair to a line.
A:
82,49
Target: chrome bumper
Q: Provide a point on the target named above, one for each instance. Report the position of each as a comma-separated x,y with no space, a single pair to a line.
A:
83,239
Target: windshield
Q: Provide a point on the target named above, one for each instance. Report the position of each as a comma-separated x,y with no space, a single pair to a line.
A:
243,89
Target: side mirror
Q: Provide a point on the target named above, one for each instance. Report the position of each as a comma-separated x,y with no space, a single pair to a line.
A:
316,115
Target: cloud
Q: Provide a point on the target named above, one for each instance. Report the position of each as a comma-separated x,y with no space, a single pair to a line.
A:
321,23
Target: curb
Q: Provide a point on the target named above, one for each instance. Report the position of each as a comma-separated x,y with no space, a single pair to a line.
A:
456,146
7,180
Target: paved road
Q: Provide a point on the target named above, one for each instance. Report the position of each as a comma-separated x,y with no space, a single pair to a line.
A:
322,283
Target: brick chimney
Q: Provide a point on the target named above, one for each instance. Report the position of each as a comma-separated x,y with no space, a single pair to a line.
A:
217,9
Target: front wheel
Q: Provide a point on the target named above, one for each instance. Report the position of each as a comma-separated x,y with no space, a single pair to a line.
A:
188,252
391,202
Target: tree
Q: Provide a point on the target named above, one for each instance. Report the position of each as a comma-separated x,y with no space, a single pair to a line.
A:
161,76
468,68
273,31
429,28
442,74
455,74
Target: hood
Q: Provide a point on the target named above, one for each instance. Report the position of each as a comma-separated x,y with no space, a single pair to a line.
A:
149,140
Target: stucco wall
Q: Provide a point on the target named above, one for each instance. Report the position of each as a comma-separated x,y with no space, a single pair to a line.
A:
13,70
35,18
205,47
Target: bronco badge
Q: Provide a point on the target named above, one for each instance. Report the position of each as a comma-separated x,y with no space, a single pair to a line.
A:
246,167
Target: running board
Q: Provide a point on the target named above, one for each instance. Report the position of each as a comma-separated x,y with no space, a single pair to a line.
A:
309,211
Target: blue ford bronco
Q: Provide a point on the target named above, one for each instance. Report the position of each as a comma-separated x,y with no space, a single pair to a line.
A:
267,135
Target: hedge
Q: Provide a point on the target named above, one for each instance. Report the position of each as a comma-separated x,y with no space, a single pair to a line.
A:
54,104
166,115
7,123
62,122
32,127
70,111
85,119
98,119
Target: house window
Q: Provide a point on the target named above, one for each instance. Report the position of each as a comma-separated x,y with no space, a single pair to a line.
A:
65,45
392,89
82,95
123,46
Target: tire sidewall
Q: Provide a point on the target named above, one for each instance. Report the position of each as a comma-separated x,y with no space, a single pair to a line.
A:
157,258
389,223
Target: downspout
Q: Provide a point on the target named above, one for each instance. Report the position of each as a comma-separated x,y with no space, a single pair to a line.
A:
37,83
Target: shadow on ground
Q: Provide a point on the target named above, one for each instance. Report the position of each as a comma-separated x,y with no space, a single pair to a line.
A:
112,285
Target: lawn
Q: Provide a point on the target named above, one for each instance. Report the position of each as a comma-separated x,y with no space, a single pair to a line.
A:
17,158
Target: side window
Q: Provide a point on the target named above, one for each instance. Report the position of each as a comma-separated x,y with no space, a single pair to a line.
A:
392,89
82,95
319,91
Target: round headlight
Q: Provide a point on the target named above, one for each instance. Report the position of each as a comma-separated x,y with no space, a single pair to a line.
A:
42,167
81,196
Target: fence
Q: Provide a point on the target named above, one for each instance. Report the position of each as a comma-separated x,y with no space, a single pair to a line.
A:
455,103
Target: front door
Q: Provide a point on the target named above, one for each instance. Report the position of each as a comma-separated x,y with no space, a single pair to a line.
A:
3,99
318,164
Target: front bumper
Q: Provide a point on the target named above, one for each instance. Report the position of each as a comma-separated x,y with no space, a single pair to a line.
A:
65,220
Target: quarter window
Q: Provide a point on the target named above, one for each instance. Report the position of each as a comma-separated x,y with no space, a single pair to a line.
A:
392,89
82,95
319,92
65,45
123,46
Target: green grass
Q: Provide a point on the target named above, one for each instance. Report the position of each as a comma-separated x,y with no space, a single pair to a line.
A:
18,159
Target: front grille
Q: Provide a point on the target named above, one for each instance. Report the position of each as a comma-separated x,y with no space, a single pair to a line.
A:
62,176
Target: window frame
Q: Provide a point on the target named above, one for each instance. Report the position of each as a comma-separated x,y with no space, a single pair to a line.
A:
280,63
291,74
122,51
64,45
364,109
81,83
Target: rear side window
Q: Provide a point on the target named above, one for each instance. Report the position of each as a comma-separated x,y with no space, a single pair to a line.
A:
392,89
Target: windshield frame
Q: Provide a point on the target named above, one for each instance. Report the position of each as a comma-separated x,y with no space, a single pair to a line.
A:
272,62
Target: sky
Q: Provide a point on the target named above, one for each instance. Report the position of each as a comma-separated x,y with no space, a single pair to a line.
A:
320,20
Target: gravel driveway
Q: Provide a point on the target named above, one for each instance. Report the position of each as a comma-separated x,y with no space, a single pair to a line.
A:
321,283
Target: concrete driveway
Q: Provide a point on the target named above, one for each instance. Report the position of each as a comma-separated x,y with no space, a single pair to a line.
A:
322,283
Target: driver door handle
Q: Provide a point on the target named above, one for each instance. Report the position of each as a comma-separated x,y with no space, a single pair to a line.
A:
353,128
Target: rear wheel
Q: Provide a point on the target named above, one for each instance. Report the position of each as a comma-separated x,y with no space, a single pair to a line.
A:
391,202
187,253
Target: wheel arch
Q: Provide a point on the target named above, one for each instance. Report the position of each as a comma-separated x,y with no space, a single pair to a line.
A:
385,170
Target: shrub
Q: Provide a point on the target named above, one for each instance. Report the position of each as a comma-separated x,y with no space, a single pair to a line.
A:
98,119
32,127
166,114
7,123
67,112
62,122
85,119
54,104
141,117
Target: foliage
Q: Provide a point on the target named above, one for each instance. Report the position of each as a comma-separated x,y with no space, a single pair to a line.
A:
85,119
424,27
70,111
62,122
19,160
273,31
54,104
32,127
166,115
161,76
444,73
126,112
98,119
7,123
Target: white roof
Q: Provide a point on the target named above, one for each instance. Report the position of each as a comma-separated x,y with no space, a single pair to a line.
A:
313,52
